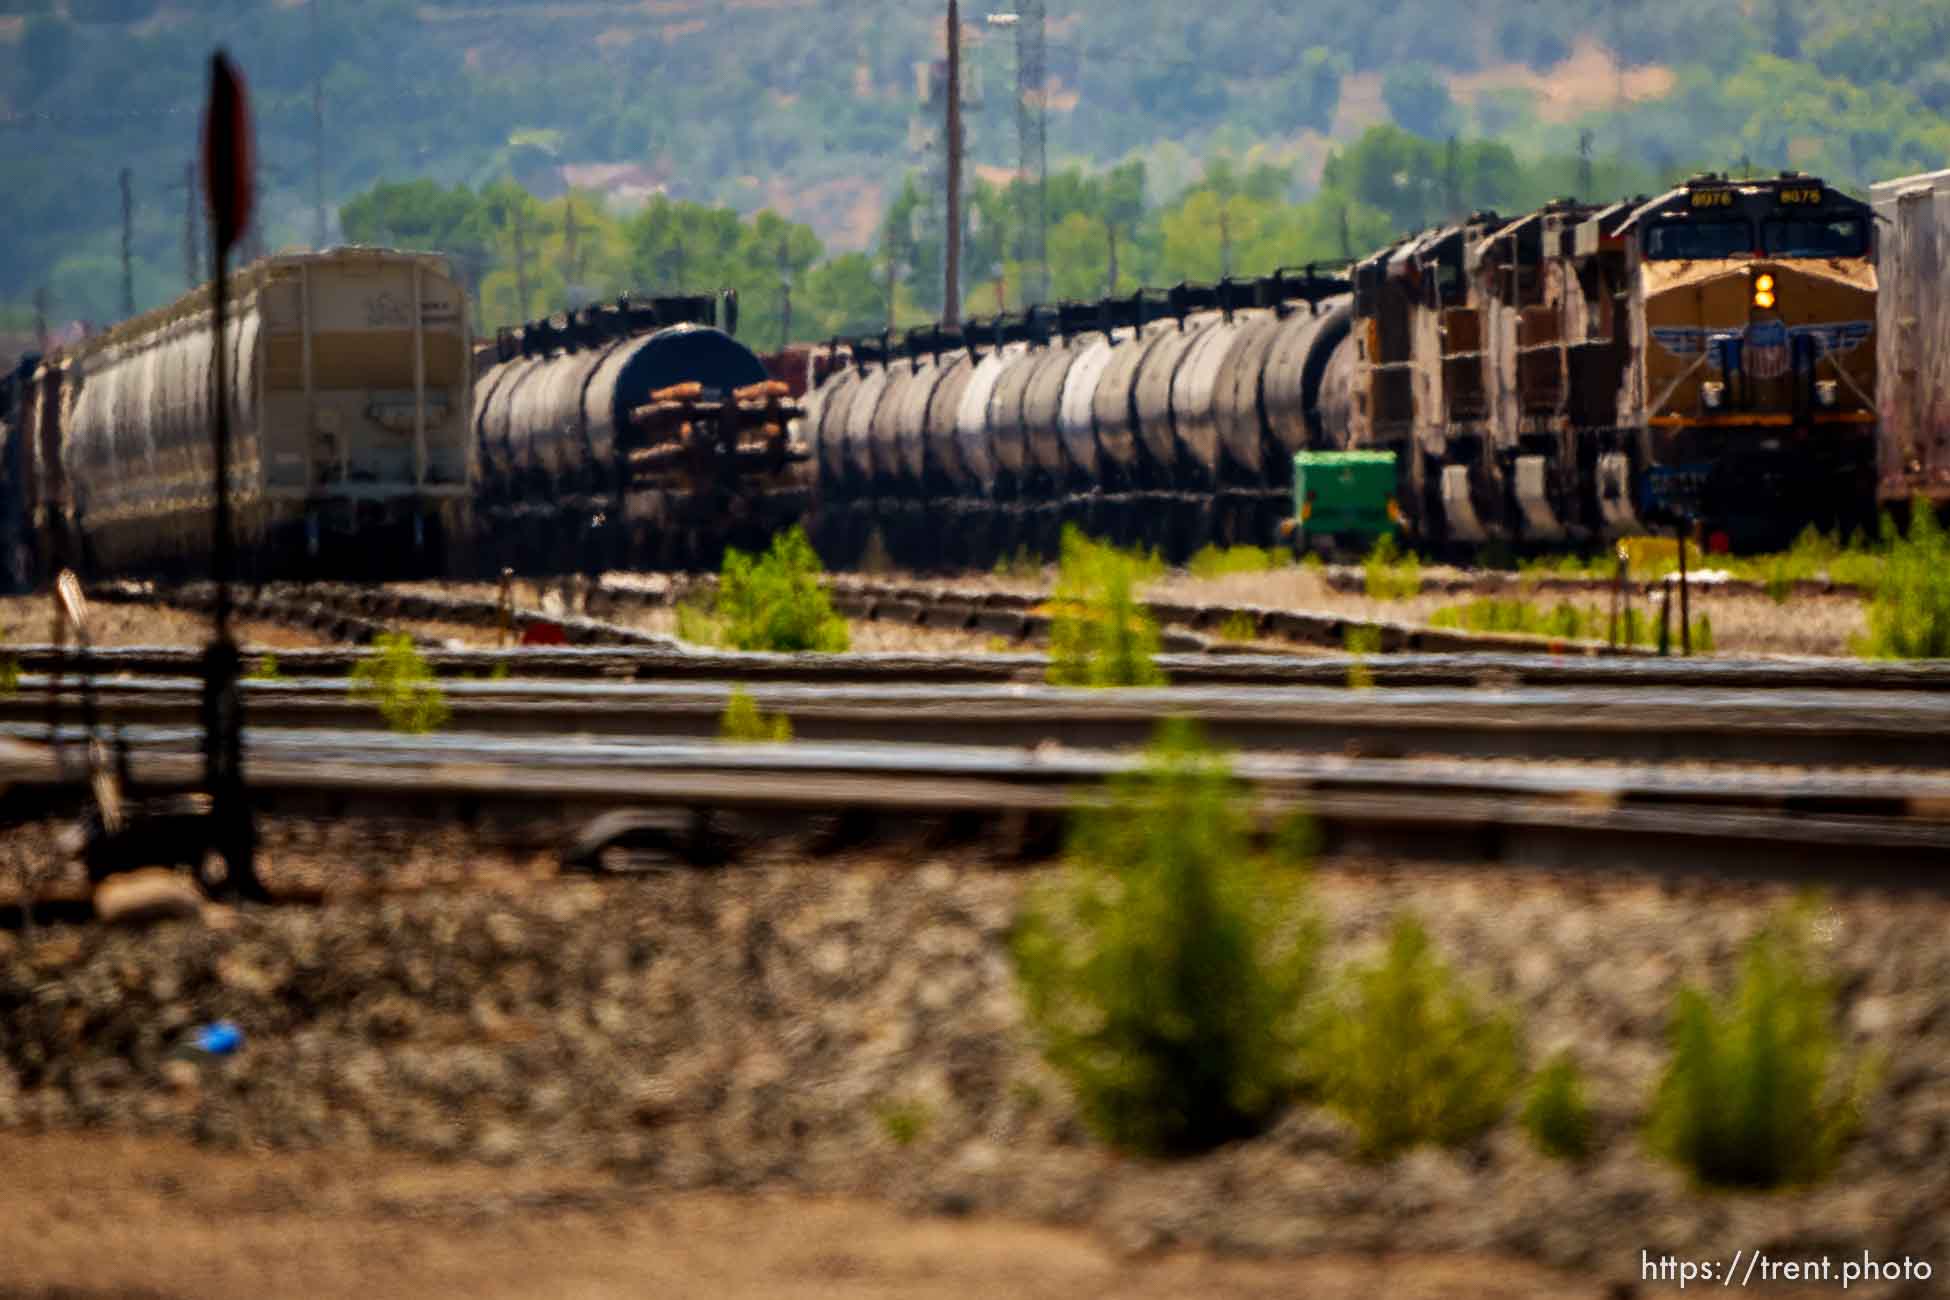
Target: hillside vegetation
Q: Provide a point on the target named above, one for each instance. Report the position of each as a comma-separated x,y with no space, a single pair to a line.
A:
811,109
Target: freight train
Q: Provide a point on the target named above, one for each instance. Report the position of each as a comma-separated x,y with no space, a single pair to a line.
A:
1567,375
373,438
1553,379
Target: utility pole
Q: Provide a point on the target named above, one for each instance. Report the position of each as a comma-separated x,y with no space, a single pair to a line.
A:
569,268
1110,286
521,256
317,127
951,289
128,247
189,224
1225,234
1585,184
40,317
785,290
1034,126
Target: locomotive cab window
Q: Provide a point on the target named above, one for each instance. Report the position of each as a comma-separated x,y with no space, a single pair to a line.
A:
1694,241
1815,236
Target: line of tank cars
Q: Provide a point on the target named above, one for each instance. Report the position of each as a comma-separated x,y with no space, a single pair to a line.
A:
1719,353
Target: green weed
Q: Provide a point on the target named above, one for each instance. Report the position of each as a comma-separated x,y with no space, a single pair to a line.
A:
397,679
742,720
768,602
1910,615
1167,969
904,1122
1756,1094
1563,621
266,670
1238,626
1023,565
1361,640
1408,1055
1557,1116
1100,634
1391,574
9,677
1223,561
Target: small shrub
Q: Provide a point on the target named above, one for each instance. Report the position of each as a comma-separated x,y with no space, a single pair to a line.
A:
9,677
1390,574
1024,565
1408,1055
742,720
1910,615
265,671
1652,558
768,602
1557,1116
904,1122
1239,626
1101,635
1312,562
1361,639
397,679
1167,969
1001,645
1222,561
698,625
1756,1094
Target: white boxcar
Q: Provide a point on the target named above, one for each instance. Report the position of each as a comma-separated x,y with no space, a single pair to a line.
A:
350,388
1913,330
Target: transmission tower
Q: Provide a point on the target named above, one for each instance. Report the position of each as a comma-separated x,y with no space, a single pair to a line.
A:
1032,139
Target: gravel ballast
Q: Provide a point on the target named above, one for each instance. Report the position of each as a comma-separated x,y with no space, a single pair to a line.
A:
786,1024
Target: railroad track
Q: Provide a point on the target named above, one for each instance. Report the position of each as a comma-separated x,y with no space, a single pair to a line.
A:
586,802
358,613
684,663
1817,728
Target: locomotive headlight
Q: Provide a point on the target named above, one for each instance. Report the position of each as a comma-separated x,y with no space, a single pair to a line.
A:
1827,392
1764,291
1713,393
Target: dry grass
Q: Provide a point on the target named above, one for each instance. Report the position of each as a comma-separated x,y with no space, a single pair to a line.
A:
28,619
1743,623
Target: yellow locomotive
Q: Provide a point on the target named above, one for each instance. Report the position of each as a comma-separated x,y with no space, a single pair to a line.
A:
1582,372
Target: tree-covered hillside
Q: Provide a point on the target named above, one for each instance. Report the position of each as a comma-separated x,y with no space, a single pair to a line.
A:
812,108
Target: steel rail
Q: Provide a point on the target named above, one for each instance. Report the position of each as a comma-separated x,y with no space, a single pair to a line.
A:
683,663
1809,727
1882,830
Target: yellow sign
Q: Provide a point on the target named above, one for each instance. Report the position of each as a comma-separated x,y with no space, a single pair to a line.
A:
1800,195
1712,198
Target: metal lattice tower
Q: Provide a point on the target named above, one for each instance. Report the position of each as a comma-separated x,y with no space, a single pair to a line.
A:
1032,140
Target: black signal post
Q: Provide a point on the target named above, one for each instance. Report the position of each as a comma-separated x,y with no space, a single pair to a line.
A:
227,186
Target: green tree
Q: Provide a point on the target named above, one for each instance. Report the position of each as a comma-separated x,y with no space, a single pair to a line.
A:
1168,971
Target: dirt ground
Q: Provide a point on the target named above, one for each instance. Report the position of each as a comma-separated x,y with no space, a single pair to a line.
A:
99,1216
29,619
